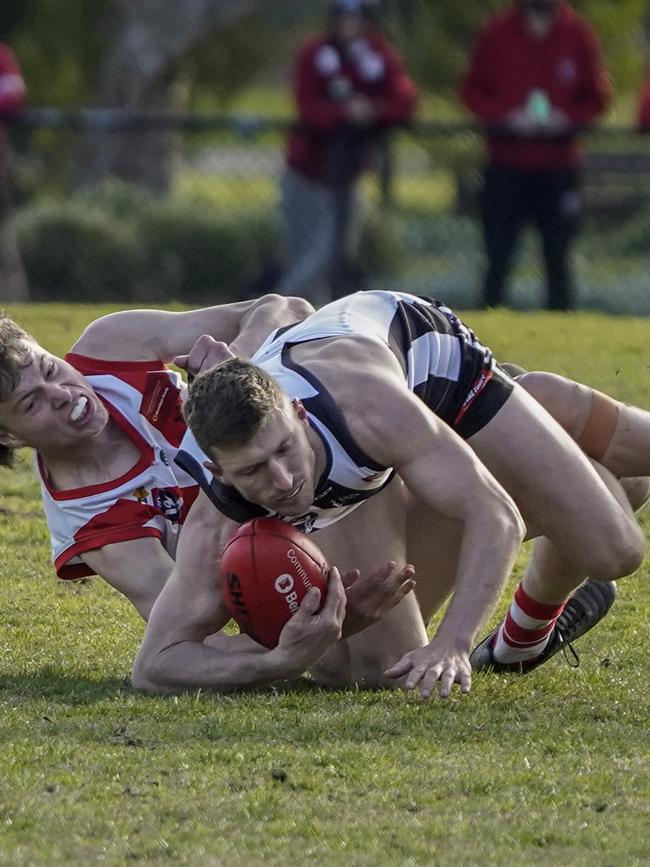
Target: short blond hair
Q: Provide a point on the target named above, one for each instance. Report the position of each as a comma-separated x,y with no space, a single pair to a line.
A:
13,356
228,404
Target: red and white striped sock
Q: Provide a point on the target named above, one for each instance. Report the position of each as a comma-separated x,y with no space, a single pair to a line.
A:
525,632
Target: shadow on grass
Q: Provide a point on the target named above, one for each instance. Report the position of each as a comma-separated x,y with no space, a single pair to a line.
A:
57,686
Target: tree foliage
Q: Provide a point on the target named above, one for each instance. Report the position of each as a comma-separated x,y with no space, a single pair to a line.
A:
175,55
63,44
60,44
436,37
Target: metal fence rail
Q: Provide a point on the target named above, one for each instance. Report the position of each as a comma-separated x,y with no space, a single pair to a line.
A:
423,233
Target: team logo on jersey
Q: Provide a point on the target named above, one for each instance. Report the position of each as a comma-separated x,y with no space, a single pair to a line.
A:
141,494
169,502
473,393
161,406
306,523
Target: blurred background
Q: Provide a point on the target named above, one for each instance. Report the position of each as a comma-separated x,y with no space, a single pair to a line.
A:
146,164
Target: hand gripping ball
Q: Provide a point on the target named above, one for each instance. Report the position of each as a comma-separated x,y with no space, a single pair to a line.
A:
267,567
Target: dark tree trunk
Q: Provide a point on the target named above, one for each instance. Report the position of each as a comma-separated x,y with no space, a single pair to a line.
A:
13,283
143,71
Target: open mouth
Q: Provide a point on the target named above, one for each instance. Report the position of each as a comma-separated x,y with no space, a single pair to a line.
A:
293,494
80,410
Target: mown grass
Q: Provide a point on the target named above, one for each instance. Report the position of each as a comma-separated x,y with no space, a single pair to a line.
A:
547,769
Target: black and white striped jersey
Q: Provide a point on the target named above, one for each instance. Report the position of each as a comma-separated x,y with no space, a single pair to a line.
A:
445,365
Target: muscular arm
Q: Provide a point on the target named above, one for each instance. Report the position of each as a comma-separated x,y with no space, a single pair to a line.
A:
395,428
176,652
160,334
270,312
173,654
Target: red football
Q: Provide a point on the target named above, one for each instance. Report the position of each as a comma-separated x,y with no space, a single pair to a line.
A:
266,569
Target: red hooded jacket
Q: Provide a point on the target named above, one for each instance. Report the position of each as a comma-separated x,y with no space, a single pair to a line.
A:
12,93
644,108
324,145
508,63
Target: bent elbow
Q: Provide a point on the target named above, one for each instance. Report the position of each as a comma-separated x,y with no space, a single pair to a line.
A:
144,675
287,308
139,676
299,308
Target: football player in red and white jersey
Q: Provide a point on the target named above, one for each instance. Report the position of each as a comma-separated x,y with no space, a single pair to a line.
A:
106,423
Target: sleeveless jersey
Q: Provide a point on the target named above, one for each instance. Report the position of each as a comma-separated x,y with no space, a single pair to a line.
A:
445,366
153,498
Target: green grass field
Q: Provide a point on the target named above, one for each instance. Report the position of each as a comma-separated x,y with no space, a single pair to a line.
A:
544,770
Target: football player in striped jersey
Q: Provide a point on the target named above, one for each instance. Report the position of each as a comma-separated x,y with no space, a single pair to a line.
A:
384,423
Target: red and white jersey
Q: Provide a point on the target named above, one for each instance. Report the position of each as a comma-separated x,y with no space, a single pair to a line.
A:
153,498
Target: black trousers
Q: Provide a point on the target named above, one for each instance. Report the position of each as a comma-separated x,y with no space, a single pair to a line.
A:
513,198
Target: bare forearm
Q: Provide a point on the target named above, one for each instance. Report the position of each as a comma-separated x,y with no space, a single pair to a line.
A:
487,555
160,334
193,665
246,323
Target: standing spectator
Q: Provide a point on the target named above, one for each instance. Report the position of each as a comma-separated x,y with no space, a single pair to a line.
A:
535,78
12,97
350,87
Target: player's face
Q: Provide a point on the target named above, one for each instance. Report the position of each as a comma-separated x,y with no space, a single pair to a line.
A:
277,467
350,26
53,407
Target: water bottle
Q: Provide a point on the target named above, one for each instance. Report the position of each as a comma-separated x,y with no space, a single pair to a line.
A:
539,106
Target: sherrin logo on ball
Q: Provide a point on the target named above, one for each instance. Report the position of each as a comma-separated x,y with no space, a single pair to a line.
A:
266,569
284,583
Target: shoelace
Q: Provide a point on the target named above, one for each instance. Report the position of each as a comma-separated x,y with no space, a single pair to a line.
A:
567,646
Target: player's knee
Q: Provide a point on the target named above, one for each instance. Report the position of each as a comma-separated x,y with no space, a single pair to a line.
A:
637,491
358,671
620,554
512,521
557,395
635,553
369,673
540,384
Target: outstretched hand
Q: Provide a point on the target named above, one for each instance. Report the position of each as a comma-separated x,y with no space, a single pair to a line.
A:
370,597
205,354
438,661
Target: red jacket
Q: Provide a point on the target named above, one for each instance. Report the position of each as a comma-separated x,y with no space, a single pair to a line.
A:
324,145
12,92
644,108
508,63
